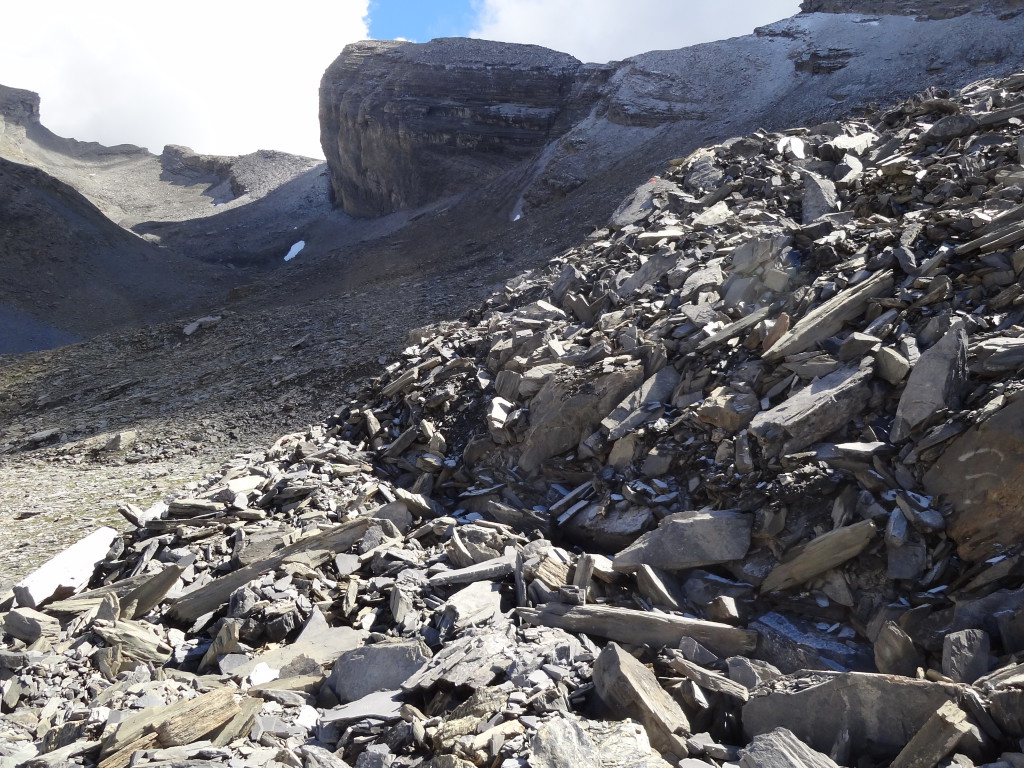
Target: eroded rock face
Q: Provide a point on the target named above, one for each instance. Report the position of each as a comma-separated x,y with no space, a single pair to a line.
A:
944,9
404,124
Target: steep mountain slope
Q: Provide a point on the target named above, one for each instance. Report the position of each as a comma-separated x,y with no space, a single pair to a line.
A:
70,269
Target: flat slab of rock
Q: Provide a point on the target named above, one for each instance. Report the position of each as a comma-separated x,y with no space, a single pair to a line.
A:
819,555
378,667
630,688
65,574
830,317
937,381
625,625
815,411
689,540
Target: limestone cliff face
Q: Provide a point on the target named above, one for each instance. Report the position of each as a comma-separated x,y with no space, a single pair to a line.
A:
404,124
18,106
930,9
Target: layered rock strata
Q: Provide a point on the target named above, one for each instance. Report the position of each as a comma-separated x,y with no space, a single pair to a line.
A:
405,124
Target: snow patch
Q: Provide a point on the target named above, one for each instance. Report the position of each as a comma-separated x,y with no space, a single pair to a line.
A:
295,250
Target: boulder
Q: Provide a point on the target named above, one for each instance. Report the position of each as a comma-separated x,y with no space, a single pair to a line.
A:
690,540
981,474
877,714
378,667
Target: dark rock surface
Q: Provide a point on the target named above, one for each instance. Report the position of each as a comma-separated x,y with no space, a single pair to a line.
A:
932,9
404,124
68,268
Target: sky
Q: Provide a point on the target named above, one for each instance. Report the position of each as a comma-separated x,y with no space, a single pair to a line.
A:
223,78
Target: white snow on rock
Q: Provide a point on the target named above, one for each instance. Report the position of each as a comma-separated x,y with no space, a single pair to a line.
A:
295,250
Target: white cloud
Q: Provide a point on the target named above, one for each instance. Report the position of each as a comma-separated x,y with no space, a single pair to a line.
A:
607,30
219,76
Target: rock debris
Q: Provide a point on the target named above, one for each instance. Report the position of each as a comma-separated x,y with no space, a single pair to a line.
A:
733,483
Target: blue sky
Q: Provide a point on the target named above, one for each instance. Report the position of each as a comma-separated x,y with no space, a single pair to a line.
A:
420,20
222,78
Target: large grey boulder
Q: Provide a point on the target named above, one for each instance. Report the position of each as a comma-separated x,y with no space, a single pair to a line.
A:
690,540
378,667
876,714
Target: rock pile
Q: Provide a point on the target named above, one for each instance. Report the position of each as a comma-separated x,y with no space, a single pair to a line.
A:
733,483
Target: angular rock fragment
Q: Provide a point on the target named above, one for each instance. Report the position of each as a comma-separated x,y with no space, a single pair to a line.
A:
690,540
781,747
67,573
819,555
830,317
568,408
628,687
936,739
814,412
965,655
638,628
378,667
936,382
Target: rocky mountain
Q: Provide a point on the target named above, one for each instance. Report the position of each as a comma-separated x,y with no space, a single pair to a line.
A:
403,126
731,482
69,271
930,9
512,145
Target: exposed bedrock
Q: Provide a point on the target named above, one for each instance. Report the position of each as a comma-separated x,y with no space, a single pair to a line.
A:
932,9
404,124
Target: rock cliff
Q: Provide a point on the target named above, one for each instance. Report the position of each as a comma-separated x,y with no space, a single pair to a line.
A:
405,124
940,9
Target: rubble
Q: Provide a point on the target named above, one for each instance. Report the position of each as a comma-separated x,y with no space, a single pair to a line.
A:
731,483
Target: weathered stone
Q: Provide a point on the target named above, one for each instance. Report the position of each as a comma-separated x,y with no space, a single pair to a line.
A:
895,653
819,555
830,317
569,407
318,642
67,573
728,409
891,365
982,475
690,540
936,739
814,412
875,713
950,127
607,527
965,655
29,625
937,382
782,748
819,198
624,625
628,687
